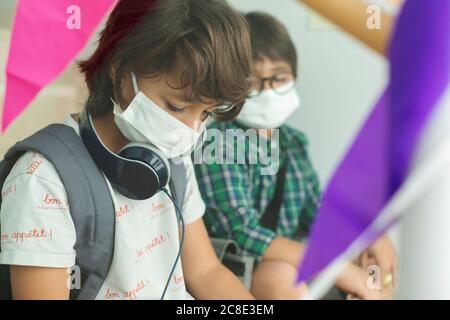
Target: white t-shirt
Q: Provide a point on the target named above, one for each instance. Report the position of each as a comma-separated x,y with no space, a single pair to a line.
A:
37,230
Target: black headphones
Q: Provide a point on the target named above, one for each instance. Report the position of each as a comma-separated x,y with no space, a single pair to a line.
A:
138,171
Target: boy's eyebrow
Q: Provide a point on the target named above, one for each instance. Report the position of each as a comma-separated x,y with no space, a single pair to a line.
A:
180,96
273,69
281,68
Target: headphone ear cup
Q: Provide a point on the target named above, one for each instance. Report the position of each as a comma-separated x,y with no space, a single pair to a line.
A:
149,157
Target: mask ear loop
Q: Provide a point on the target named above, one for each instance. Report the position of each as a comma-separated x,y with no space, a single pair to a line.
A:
135,88
135,84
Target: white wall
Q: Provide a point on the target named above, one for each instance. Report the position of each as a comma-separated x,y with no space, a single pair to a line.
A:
339,81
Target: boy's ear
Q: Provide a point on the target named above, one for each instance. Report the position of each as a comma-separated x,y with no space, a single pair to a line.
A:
112,71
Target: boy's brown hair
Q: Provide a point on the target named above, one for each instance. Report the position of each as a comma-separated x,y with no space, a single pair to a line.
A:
207,37
270,39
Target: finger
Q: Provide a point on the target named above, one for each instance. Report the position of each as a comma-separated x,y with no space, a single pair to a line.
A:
364,260
382,260
395,272
353,280
301,291
386,268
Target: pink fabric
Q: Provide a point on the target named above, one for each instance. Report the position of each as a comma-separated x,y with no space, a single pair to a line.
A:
47,35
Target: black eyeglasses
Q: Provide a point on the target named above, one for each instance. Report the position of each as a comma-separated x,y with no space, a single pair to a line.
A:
280,83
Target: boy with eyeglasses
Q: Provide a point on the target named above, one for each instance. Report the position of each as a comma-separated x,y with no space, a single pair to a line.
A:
269,215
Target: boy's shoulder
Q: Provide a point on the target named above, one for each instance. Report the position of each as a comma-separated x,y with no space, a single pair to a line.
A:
289,136
287,131
223,125
220,130
294,136
33,164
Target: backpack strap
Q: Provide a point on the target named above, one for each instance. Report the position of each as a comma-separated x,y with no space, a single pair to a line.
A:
178,181
91,205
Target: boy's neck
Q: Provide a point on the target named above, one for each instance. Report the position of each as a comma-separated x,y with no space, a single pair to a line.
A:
108,132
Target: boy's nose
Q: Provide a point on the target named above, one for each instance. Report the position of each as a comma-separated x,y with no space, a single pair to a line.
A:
197,116
266,85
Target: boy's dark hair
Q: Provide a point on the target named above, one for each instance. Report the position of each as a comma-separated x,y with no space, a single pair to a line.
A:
207,37
270,39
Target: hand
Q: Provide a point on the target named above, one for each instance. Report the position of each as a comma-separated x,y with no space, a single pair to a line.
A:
354,280
301,291
382,254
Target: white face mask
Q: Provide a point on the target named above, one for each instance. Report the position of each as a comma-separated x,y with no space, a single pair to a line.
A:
143,121
269,110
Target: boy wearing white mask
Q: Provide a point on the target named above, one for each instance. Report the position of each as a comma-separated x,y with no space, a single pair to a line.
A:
159,71
269,215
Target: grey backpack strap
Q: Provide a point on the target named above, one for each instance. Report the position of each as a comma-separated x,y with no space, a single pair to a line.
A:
91,206
178,181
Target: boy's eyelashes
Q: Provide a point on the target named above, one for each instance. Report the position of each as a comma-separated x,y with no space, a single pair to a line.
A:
280,78
174,108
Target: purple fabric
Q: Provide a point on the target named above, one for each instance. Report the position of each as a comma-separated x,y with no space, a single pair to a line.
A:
379,159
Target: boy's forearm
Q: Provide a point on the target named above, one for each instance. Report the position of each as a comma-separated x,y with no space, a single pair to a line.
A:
219,283
284,249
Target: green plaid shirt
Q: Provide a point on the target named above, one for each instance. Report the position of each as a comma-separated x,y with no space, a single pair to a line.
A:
236,195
